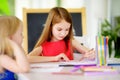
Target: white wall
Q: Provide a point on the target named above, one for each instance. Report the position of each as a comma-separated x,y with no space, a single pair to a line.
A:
73,3
20,4
96,11
115,10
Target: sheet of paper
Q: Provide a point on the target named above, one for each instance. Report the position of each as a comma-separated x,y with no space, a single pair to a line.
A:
113,60
45,65
76,62
49,69
55,66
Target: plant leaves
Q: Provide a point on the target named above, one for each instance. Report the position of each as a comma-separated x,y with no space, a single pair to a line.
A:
4,7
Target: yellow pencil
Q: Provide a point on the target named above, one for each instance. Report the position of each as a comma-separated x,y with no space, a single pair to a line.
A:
99,51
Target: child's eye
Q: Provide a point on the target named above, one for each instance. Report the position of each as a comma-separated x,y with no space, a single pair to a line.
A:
67,29
59,29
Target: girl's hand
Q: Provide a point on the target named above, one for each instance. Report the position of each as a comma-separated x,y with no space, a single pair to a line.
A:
62,57
89,55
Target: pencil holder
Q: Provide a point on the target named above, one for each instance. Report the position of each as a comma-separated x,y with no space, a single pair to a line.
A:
102,50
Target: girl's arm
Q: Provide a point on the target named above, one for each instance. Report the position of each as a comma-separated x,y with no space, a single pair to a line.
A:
19,64
60,57
80,48
87,53
36,51
34,56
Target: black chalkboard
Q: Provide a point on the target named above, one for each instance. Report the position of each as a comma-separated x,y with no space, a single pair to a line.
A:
35,26
34,23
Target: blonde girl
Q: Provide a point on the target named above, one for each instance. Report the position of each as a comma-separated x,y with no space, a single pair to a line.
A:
56,42
12,56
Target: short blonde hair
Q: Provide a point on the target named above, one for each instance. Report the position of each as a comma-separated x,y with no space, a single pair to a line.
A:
8,26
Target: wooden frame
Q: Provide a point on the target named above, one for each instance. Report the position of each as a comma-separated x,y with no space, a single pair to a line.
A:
25,21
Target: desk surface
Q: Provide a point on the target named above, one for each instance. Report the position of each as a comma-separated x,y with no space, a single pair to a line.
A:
50,71
49,76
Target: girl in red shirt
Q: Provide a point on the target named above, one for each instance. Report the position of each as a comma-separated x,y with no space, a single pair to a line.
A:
56,41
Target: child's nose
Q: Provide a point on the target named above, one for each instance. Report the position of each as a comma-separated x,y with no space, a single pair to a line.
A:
63,33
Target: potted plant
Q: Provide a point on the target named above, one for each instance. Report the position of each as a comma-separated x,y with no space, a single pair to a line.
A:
113,32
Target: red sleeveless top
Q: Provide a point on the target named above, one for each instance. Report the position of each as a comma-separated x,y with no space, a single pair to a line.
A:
55,48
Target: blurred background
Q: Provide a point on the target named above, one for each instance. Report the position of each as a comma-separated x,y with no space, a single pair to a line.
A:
96,10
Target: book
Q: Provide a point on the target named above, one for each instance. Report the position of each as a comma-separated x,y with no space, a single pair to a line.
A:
97,68
84,62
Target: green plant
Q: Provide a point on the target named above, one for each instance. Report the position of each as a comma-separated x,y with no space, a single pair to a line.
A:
5,7
113,32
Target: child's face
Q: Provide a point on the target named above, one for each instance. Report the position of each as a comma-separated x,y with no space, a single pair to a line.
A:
18,37
60,30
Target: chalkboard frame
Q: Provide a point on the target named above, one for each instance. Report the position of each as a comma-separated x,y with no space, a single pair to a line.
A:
26,11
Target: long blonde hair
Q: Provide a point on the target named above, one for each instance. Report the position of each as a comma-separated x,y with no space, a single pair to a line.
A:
55,15
8,26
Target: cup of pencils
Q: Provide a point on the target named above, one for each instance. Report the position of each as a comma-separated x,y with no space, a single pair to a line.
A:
102,50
